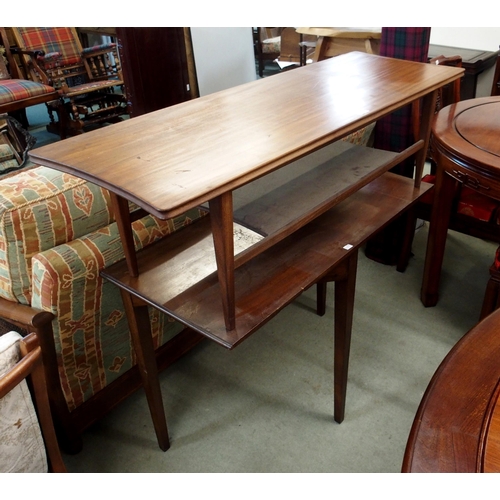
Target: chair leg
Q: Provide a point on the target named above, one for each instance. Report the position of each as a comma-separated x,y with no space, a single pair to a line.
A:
321,297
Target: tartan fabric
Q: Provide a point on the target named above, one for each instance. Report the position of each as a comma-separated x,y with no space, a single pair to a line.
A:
18,90
470,202
53,40
394,132
98,48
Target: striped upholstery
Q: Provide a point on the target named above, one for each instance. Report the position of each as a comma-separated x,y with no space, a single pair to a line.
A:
91,333
41,208
56,233
17,90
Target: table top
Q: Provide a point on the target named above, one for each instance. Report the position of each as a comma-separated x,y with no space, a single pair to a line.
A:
342,32
469,131
457,426
176,158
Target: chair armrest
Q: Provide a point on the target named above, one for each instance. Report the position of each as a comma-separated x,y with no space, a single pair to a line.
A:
35,69
26,317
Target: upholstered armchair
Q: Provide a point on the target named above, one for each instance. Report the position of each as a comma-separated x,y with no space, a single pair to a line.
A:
56,233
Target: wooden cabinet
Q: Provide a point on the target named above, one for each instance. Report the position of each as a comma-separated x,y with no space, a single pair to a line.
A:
158,67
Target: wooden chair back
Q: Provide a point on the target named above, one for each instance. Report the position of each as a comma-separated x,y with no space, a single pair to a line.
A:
65,62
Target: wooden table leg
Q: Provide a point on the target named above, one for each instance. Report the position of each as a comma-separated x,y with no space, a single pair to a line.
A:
122,217
424,132
438,231
221,214
140,330
345,287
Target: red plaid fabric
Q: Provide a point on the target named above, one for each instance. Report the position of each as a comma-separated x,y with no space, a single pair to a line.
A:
496,262
53,40
97,48
470,203
395,132
17,90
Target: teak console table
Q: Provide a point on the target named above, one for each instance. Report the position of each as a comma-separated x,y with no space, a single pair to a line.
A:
266,154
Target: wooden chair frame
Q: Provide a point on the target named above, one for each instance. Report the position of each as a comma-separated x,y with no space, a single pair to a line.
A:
37,323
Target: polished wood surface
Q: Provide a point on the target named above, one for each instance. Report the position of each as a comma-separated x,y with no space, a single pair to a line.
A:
457,425
205,150
178,277
466,150
264,284
176,158
157,67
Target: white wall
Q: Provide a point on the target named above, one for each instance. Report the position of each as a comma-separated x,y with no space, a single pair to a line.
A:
224,57
471,38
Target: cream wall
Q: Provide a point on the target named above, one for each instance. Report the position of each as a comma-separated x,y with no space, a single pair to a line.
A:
224,57
471,38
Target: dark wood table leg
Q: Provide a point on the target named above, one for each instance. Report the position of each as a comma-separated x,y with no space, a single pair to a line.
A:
438,231
140,330
345,287
122,217
221,214
424,132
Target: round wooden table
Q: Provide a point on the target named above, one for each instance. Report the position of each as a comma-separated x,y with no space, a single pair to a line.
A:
466,148
457,425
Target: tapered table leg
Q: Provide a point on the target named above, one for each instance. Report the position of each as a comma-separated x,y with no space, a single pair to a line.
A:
221,213
345,288
140,330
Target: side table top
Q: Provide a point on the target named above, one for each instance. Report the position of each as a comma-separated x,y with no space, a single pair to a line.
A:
176,158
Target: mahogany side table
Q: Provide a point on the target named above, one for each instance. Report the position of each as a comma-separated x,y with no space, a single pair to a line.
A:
467,150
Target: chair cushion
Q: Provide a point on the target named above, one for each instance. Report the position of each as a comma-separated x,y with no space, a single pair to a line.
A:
470,203
17,90
271,45
41,208
21,444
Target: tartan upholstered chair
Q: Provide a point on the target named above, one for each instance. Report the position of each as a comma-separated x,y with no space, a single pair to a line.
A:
17,93
88,80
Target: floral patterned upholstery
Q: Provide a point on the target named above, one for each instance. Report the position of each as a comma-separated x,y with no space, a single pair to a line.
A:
56,232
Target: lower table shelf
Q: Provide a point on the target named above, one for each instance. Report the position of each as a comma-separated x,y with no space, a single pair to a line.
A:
179,277
178,274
